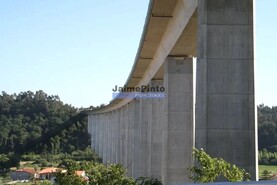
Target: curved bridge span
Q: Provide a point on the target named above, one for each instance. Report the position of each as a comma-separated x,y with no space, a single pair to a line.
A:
215,111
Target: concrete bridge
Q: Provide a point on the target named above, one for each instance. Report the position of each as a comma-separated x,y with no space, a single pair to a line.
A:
215,111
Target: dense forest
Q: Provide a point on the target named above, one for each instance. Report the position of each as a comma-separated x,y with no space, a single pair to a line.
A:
27,115
267,128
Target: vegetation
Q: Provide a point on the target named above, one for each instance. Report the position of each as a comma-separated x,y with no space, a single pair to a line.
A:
266,175
210,169
272,169
267,133
267,123
97,173
267,158
27,116
148,181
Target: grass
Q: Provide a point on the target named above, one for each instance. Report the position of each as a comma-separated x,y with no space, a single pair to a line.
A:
273,169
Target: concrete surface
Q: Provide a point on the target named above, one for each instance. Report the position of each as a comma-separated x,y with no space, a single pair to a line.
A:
178,124
225,105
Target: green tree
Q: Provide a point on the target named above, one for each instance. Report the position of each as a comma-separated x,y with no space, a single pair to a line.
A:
97,173
112,174
267,127
148,181
29,116
266,175
210,169
69,178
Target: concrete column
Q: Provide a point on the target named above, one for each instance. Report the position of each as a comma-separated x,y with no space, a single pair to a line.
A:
108,137
225,98
125,136
123,145
116,134
114,138
145,144
156,132
178,121
136,171
101,138
99,134
96,134
118,144
105,137
130,139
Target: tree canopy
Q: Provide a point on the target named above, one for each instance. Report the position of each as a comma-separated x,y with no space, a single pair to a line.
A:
267,128
209,169
28,115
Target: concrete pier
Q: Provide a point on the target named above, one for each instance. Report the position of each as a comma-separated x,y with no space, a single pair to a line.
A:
130,138
225,104
136,168
178,124
101,138
144,136
156,122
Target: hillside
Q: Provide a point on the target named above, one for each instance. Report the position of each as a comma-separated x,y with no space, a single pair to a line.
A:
27,116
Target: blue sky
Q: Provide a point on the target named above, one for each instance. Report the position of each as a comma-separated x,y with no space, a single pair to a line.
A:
80,50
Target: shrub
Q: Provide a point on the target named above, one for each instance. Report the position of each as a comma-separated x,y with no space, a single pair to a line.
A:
69,178
264,161
148,181
267,158
272,148
97,173
266,175
210,169
113,174
273,161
